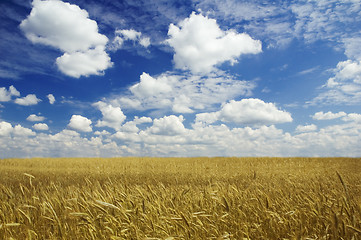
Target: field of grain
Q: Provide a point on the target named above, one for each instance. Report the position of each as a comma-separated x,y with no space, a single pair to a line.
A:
180,198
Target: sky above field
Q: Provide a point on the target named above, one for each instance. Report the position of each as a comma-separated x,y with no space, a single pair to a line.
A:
87,78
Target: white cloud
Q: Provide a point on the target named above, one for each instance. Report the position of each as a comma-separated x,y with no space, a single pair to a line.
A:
344,87
238,10
169,137
145,42
30,99
63,144
259,18
166,139
149,86
113,117
200,44
207,118
168,125
328,115
69,29
41,127
278,24
346,70
80,123
5,128
117,43
306,128
248,112
35,118
5,95
321,19
352,117
130,34
21,131
13,91
182,104
182,93
131,126
102,133
51,98
352,48
122,35
90,62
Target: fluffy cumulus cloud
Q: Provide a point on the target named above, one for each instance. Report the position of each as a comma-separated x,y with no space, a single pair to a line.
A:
30,99
149,86
41,126
35,118
80,123
200,45
5,95
182,93
21,131
113,117
6,130
91,62
69,29
247,112
168,125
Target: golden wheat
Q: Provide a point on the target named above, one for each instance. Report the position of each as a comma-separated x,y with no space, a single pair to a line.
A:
180,198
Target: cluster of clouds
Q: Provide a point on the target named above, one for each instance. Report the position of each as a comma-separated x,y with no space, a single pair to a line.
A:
198,41
6,95
246,112
38,126
169,135
200,45
181,93
222,125
309,21
70,30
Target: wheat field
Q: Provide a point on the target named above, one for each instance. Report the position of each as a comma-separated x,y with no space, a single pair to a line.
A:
180,198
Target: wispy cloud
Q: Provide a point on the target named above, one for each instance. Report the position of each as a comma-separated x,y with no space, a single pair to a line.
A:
308,71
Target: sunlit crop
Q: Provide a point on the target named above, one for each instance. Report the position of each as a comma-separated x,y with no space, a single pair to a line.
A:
180,198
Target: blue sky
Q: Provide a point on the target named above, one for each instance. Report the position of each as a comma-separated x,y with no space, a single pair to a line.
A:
180,78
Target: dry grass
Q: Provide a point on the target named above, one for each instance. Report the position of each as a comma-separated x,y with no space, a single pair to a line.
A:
180,198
